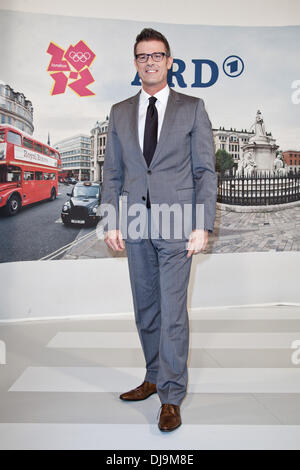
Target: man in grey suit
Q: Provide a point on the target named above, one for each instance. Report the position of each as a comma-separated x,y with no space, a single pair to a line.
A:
159,154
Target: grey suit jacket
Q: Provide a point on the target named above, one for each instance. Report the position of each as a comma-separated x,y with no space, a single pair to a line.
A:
182,170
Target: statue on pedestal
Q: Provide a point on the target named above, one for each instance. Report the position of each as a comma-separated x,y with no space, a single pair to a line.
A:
260,130
246,165
279,165
262,148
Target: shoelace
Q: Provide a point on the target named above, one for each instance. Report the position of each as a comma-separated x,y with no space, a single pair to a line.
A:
169,407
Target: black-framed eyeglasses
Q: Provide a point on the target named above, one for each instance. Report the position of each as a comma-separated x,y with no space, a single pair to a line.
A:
156,56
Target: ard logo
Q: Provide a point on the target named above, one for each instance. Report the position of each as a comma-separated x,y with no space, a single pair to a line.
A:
205,72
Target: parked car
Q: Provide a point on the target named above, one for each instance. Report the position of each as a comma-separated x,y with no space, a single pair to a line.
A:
82,206
70,180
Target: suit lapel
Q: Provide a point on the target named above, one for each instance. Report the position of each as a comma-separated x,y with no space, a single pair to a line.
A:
134,123
171,108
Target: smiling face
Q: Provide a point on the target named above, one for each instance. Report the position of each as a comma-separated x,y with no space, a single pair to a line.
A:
152,74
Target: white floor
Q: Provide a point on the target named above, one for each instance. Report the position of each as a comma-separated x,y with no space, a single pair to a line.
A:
60,386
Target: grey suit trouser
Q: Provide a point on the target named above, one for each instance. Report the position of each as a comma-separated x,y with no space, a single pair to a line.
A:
159,275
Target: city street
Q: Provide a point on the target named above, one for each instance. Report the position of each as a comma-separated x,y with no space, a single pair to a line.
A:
37,230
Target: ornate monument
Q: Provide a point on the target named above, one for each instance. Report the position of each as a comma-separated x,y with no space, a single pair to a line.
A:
260,151
262,178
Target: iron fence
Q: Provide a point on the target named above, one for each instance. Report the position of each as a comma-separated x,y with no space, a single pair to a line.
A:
259,189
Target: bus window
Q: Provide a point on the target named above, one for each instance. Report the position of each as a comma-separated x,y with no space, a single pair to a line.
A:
2,174
27,143
13,173
2,135
53,176
28,175
52,153
13,138
46,176
57,155
46,151
37,147
38,175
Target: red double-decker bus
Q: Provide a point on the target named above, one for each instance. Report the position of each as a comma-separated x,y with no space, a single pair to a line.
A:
28,170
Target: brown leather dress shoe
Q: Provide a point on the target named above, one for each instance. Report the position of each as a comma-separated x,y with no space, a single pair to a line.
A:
141,392
170,418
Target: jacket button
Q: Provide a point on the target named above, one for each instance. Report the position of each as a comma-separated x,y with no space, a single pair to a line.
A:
149,172
144,199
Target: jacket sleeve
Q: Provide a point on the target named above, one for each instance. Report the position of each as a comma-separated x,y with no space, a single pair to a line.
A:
204,166
113,174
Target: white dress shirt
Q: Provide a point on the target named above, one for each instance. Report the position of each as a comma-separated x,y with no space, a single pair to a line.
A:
161,104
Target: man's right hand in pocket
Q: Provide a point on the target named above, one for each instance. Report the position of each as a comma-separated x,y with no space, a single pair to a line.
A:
114,240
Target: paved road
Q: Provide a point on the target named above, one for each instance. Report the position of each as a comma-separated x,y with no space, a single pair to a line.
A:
36,231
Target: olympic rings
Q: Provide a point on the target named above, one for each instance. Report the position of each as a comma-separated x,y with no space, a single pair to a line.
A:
79,56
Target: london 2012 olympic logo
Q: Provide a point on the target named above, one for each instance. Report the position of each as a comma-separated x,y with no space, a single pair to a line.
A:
71,64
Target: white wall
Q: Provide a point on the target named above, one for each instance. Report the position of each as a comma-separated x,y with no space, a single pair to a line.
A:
64,288
220,12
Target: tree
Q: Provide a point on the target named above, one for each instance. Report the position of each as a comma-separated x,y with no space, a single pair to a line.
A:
224,161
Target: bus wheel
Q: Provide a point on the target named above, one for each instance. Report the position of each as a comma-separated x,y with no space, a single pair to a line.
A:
13,205
53,194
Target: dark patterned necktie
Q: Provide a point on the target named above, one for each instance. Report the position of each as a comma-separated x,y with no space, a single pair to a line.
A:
150,135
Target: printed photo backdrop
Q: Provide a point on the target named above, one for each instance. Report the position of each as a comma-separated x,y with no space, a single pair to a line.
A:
59,78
